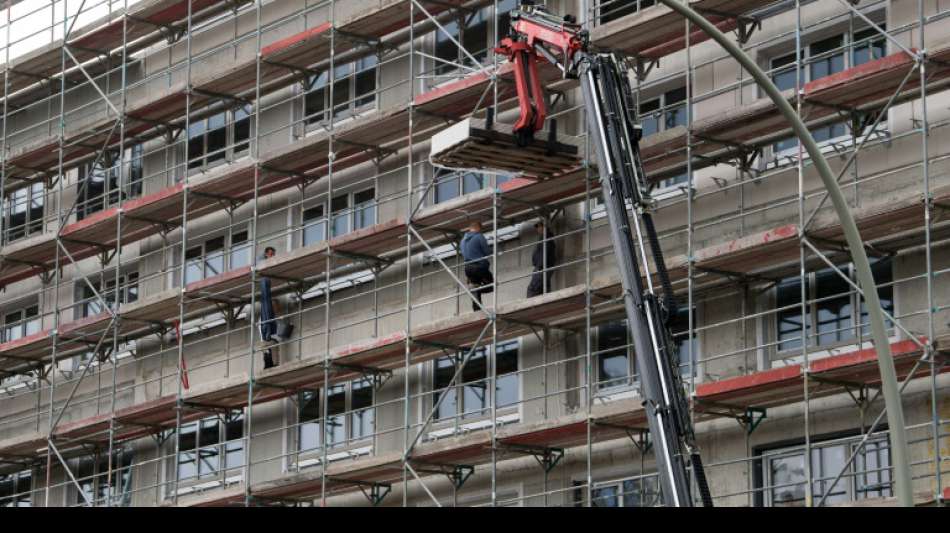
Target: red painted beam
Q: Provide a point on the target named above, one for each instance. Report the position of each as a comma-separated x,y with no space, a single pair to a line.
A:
765,379
856,74
837,362
283,44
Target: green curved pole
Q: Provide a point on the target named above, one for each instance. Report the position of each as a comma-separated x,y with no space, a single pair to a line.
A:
892,399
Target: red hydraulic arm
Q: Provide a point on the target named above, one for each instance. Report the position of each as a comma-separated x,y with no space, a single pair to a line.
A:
531,39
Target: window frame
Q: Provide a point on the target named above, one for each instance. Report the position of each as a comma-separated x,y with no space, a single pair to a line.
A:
351,214
458,183
848,484
859,330
28,196
443,72
25,322
351,438
460,391
233,148
218,474
121,181
128,292
18,496
607,11
226,253
122,464
357,103
866,38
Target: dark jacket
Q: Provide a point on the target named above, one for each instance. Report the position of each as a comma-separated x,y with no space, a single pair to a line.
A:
538,259
474,247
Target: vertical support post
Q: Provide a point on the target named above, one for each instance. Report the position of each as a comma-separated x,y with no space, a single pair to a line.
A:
407,362
179,330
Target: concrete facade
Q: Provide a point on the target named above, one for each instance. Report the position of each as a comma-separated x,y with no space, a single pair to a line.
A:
734,322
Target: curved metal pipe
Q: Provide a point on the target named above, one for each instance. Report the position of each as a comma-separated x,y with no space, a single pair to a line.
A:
892,399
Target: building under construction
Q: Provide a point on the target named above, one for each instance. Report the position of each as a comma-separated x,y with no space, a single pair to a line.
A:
153,149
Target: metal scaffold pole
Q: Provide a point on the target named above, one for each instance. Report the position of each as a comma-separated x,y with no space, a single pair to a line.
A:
182,265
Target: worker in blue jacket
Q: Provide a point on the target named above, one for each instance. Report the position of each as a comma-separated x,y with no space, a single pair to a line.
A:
476,253
269,312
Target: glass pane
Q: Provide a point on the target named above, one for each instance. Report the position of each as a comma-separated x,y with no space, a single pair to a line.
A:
883,274
826,463
475,393
643,492
871,464
789,321
362,400
309,413
446,189
187,440
612,360
444,370
605,497
445,49
787,475
827,63
472,182
506,381
783,72
336,404
834,313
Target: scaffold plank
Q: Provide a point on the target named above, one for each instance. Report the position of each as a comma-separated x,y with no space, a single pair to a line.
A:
142,24
649,28
830,374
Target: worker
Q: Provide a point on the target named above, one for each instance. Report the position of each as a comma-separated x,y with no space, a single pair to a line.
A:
543,259
475,252
269,310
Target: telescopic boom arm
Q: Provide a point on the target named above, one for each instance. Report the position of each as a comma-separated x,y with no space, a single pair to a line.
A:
615,135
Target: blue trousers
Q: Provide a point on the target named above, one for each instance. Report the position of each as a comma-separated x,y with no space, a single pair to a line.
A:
268,324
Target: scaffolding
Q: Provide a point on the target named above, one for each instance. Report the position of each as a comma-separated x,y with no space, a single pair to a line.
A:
139,132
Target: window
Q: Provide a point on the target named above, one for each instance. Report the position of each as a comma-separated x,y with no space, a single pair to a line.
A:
21,323
314,225
101,184
469,397
89,303
608,10
476,36
829,314
209,138
615,366
209,259
682,343
662,113
451,184
350,415
782,480
93,478
241,248
823,58
349,212
23,212
354,91
16,489
211,447
641,491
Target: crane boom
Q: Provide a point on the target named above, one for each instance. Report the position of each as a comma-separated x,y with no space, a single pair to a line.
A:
615,134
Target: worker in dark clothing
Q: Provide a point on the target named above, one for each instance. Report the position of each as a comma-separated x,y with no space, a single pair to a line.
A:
475,251
269,310
543,260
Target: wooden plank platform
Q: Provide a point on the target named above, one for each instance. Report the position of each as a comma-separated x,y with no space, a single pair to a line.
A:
469,144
